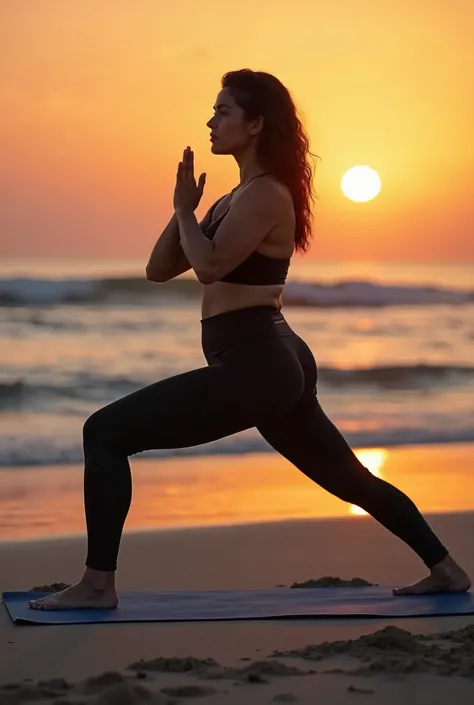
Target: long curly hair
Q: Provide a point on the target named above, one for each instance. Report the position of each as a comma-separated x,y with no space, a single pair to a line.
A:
283,146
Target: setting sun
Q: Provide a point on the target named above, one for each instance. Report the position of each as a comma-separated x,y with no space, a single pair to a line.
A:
361,183
373,459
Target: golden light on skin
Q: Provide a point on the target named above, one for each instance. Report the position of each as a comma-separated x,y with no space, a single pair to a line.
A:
373,459
361,183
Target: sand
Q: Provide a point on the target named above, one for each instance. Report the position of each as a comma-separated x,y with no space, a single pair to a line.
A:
300,661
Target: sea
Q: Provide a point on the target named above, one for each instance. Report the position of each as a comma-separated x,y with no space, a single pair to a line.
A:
394,343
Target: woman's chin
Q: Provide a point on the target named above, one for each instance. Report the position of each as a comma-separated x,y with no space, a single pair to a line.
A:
215,148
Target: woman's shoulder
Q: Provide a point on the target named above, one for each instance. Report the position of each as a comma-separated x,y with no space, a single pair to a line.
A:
278,191
277,195
267,184
268,201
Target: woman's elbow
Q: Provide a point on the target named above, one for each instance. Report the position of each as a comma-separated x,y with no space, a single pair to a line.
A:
154,276
209,272
205,276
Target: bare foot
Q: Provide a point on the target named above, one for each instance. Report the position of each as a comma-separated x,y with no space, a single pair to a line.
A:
447,576
76,597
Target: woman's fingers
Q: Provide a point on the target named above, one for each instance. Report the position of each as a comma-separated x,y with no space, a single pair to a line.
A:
188,160
185,161
188,164
201,182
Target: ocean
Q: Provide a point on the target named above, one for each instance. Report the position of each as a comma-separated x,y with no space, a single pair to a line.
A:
394,345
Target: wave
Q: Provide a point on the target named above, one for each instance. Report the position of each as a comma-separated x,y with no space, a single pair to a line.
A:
30,450
351,293
418,376
348,293
33,292
18,394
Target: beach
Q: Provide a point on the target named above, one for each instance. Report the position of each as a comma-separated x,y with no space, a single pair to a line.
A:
261,554
394,352
240,580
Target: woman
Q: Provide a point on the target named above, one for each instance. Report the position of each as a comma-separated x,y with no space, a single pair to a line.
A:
259,373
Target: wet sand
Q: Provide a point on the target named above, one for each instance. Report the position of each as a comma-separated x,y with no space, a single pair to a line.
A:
302,661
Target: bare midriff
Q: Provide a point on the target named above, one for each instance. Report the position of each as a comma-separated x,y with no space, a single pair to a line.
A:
220,297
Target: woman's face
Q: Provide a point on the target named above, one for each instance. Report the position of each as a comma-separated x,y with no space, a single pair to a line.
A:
231,132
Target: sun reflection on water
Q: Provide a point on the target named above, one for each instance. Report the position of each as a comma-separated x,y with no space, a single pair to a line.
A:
373,459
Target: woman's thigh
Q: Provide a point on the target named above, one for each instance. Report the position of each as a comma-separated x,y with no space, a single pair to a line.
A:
185,410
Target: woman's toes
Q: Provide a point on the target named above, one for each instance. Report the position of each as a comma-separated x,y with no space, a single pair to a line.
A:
38,604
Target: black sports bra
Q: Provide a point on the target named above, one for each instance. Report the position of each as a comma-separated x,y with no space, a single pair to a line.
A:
257,269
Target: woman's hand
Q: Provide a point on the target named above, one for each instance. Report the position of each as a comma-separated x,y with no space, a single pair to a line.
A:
187,193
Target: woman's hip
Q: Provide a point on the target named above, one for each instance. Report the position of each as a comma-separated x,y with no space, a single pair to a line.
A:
240,327
259,346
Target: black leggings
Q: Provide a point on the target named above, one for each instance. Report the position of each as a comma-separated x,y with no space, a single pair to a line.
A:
259,374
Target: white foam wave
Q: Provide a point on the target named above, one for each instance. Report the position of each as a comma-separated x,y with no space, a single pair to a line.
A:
30,450
365,293
349,293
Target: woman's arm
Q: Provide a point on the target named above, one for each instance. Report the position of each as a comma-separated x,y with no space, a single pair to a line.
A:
249,220
167,259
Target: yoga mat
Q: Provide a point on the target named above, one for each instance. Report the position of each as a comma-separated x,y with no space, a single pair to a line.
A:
211,605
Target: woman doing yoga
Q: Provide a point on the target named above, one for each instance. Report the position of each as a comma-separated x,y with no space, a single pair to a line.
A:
259,372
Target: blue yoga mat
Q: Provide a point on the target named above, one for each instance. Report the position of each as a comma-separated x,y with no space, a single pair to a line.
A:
211,605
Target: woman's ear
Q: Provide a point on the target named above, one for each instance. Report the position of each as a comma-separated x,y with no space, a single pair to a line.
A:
257,125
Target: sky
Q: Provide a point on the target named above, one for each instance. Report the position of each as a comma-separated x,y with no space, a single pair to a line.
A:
100,97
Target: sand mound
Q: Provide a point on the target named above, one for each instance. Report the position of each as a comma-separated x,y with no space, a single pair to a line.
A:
394,650
329,581
189,691
386,651
127,694
52,587
174,664
208,669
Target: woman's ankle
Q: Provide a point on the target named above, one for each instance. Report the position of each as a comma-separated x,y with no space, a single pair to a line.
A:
446,567
99,579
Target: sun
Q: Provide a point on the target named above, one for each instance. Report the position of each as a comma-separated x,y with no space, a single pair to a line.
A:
361,184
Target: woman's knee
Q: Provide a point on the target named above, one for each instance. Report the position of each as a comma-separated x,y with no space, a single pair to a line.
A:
109,429
354,485
99,426
360,487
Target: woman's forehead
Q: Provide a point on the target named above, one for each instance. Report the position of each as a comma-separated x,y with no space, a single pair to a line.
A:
224,99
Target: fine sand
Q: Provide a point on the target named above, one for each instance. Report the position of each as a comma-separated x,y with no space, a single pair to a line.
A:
240,662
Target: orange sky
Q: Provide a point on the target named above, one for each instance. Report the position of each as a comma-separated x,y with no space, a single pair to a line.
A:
99,97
